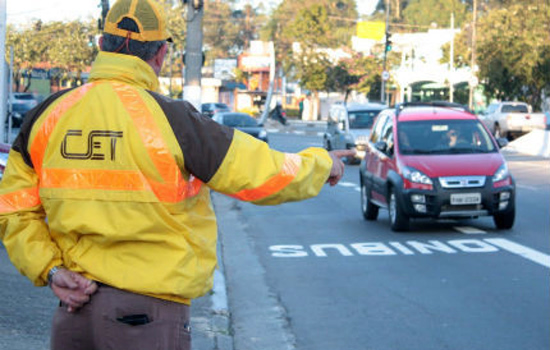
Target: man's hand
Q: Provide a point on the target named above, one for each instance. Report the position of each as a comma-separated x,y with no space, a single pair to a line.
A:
337,170
72,289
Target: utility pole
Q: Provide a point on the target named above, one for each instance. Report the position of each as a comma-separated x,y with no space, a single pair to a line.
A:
384,72
3,69
104,11
473,62
451,62
193,53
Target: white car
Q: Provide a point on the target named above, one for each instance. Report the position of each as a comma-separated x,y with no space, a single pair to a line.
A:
511,119
349,126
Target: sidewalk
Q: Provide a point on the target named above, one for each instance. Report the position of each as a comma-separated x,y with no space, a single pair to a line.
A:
210,318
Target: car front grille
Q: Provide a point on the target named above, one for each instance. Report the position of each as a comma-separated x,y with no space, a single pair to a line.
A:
462,181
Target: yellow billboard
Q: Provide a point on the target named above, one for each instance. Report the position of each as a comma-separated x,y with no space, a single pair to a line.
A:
371,30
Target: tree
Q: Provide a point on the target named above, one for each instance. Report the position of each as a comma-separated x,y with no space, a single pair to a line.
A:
308,63
513,52
427,12
360,73
69,47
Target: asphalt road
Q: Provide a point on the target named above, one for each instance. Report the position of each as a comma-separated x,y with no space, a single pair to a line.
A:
335,281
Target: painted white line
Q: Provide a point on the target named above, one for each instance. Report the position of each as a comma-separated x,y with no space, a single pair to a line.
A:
320,134
468,230
525,187
299,132
521,250
347,184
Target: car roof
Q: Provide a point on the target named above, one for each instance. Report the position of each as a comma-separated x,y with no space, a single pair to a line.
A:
361,106
433,113
223,114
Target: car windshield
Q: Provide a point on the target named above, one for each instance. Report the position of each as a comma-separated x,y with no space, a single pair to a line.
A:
362,119
443,137
514,109
239,120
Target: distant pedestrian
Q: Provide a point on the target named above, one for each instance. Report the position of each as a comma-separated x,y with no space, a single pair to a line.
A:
106,194
301,106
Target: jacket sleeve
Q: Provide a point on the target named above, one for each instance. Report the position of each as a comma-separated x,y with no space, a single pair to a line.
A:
252,171
23,228
235,163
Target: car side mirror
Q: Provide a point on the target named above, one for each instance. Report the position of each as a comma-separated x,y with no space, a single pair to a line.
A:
382,146
502,142
342,125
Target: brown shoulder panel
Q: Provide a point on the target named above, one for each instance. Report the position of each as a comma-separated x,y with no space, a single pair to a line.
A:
22,141
204,142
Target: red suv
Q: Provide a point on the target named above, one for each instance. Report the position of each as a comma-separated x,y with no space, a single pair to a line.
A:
435,160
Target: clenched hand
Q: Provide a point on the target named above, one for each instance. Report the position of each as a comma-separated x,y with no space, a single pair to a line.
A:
72,289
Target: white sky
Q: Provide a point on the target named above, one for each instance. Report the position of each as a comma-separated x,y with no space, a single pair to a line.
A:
24,11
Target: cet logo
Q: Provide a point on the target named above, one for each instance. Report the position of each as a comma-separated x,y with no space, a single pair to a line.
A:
96,140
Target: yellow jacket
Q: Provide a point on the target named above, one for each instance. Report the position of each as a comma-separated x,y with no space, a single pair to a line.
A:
112,180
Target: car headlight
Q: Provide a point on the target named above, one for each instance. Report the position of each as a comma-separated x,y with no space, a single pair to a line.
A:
501,173
416,176
262,134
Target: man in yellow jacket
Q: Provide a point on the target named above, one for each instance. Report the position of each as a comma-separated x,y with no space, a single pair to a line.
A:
106,194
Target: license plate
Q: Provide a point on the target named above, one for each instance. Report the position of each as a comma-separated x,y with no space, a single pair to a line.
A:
465,198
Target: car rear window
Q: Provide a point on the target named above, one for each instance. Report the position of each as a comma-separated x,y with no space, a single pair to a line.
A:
24,96
515,109
362,119
443,137
239,120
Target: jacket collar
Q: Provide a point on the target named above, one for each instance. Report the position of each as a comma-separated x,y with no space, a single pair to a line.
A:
124,68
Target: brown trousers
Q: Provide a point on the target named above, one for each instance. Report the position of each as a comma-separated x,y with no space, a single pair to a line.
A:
119,320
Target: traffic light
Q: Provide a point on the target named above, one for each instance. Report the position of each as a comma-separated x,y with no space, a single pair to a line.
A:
388,41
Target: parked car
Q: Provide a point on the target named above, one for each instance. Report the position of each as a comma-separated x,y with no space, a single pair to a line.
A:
21,103
512,119
4,151
435,160
242,122
209,109
349,126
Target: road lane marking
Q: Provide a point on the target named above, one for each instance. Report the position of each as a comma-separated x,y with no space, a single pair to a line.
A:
468,230
521,250
347,184
412,247
526,187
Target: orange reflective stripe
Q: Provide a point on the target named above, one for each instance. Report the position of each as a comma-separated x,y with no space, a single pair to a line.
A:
94,178
40,142
174,188
290,169
18,200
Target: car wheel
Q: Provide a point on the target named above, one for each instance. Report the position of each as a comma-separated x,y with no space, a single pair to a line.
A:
398,219
505,221
369,209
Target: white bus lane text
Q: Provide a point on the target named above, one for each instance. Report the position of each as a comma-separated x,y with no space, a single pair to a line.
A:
411,247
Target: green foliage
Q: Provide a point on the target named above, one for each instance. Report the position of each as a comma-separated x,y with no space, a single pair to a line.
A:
358,73
514,52
64,46
426,12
